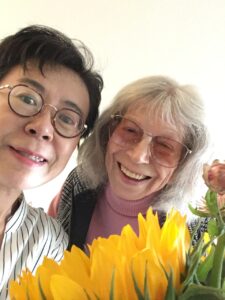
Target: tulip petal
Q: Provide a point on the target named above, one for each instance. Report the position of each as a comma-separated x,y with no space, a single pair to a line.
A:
64,288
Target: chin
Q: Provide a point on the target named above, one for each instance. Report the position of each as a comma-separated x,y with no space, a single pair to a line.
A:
127,197
31,183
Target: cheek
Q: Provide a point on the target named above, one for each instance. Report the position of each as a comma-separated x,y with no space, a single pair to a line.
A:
169,175
65,149
12,120
110,151
108,159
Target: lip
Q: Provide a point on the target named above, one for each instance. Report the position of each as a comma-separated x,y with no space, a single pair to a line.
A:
130,179
28,157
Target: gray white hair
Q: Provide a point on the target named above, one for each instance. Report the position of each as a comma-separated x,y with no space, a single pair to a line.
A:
179,106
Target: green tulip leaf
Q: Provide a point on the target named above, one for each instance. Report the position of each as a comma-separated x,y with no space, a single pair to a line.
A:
170,292
213,228
205,266
211,202
197,292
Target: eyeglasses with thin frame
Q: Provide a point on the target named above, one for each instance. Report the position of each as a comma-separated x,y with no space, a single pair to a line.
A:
26,102
165,151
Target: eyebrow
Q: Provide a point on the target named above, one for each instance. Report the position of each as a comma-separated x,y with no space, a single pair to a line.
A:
73,106
40,88
169,133
33,83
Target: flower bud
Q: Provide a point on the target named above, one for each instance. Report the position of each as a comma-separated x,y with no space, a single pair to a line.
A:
214,176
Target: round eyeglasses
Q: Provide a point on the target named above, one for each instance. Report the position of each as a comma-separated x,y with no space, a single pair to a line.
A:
165,151
26,102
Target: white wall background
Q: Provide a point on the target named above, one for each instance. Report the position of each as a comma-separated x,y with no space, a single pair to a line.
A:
184,39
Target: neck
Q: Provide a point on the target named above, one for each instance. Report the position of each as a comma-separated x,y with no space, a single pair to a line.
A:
8,197
8,205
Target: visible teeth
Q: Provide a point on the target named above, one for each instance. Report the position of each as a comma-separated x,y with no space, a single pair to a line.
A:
131,174
36,158
32,157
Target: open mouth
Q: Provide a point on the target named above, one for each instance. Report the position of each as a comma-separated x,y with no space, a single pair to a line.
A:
32,157
132,175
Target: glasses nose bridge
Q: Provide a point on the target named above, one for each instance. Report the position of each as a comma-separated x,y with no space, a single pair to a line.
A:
52,109
140,151
148,136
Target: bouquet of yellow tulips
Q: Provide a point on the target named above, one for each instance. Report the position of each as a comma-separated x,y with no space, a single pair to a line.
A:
158,264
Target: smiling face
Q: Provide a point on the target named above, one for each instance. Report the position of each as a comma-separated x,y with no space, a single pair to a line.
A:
31,151
132,171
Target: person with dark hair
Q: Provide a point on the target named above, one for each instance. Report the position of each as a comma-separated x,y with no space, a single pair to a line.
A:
49,99
147,150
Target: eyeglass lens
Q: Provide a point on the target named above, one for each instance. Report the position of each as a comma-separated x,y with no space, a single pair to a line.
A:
26,102
165,151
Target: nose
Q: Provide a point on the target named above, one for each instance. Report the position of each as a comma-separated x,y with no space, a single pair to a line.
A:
140,153
40,126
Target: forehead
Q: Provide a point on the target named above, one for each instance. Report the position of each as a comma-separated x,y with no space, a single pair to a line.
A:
47,72
56,84
155,120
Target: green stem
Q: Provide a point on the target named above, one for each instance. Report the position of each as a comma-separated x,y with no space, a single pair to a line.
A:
216,274
220,219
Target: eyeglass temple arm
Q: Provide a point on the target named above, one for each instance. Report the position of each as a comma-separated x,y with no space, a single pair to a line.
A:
5,86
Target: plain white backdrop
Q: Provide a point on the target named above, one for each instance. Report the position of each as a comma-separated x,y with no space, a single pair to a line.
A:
184,39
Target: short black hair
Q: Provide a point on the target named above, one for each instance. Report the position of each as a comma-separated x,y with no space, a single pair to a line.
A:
46,45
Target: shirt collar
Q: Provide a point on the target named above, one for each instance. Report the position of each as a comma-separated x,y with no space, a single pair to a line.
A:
18,216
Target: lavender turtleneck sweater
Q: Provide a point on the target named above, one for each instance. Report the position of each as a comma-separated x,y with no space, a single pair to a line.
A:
111,213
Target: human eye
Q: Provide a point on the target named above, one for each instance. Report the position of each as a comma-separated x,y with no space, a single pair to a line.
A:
69,118
164,144
28,99
25,96
66,119
129,126
130,130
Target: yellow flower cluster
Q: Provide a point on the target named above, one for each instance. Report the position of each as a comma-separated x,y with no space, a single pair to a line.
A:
121,266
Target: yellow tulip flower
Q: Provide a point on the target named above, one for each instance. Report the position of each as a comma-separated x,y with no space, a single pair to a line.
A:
115,265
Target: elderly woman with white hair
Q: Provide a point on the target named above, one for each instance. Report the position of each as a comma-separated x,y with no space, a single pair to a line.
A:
147,150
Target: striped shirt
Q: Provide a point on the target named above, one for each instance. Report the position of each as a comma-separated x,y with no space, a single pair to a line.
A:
29,236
